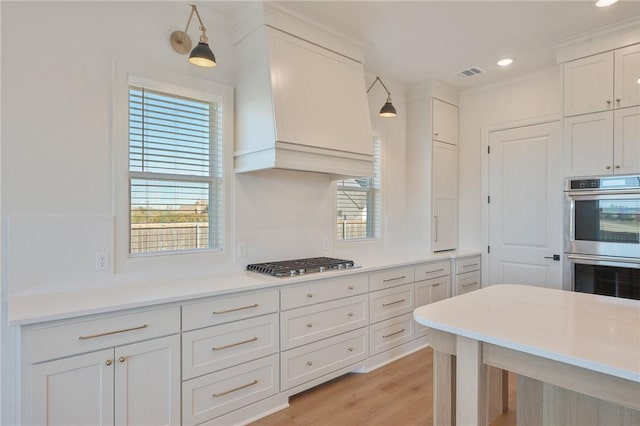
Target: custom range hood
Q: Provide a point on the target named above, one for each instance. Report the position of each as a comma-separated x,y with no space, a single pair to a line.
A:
300,98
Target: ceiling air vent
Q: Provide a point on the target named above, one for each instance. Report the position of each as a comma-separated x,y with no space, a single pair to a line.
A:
470,72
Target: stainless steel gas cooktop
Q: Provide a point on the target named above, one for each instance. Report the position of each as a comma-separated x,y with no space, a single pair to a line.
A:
290,268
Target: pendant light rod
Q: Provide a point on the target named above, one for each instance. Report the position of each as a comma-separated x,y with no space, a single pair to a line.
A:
201,55
374,82
193,8
387,110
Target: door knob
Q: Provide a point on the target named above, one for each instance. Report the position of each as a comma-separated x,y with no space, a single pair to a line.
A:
555,257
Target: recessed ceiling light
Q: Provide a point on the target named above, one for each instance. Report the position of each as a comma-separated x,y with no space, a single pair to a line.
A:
505,62
605,3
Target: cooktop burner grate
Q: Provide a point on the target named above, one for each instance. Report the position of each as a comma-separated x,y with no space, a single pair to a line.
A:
290,268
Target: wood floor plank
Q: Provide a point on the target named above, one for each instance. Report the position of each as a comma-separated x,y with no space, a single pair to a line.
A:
399,393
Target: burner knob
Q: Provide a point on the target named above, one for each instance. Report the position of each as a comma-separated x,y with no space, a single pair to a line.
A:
321,269
292,273
301,271
340,266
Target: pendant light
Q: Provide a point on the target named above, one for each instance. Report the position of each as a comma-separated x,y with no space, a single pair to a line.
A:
201,55
387,110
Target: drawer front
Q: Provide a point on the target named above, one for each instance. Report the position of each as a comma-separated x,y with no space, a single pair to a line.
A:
305,325
391,302
213,395
433,270
440,288
222,346
390,278
75,337
468,282
467,264
311,361
391,333
323,291
226,309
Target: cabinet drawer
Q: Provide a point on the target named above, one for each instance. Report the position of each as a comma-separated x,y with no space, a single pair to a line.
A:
226,309
467,265
215,348
306,325
323,291
467,282
432,290
433,270
213,395
391,333
390,302
311,361
390,278
74,337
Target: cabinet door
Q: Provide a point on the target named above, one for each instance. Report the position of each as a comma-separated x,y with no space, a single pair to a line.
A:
147,382
626,140
445,122
313,86
627,72
588,84
588,144
445,196
73,391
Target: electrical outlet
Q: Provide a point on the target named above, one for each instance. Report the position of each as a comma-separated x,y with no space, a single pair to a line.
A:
241,250
102,261
325,244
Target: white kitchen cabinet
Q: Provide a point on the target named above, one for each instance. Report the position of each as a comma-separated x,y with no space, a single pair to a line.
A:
391,302
602,143
129,385
602,82
299,106
429,291
391,333
445,196
445,122
468,276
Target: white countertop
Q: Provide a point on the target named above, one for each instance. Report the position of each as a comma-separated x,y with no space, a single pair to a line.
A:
35,308
599,333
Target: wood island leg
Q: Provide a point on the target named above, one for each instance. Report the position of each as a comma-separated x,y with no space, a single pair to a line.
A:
471,383
443,389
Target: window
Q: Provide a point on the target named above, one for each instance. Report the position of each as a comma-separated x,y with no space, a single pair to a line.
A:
358,203
175,172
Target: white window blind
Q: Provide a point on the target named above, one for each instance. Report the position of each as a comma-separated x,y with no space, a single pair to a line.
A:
358,203
175,172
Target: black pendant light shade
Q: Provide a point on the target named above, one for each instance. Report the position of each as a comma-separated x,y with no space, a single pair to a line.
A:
387,110
202,55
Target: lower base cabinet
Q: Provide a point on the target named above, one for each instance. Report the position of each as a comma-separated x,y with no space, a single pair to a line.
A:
391,333
133,384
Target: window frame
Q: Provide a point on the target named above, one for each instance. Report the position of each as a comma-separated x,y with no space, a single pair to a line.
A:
127,75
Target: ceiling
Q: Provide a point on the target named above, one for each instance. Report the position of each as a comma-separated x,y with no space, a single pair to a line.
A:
413,41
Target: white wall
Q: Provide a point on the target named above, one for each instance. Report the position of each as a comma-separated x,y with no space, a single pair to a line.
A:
536,95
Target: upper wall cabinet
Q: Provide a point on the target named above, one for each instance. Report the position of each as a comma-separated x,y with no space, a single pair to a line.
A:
602,82
445,122
299,106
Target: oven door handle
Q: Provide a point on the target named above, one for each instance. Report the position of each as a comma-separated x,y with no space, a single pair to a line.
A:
602,192
603,258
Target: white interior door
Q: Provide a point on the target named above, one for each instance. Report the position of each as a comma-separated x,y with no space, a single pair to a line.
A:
525,209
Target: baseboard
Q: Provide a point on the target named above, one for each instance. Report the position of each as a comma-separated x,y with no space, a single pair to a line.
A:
387,357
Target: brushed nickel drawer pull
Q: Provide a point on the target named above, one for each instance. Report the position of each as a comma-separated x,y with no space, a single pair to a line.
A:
108,362
468,285
309,325
255,305
434,271
350,314
219,348
216,395
350,349
108,333
436,285
309,363
394,279
392,303
350,287
309,295
122,359
470,265
393,334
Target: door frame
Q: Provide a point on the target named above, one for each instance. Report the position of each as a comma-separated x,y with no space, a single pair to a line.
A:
485,133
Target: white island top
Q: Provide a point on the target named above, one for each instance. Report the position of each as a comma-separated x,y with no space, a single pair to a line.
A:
598,333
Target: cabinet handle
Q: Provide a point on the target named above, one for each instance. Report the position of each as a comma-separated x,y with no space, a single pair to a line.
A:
470,265
436,285
350,287
617,166
435,219
618,100
216,395
108,333
394,279
108,362
309,295
468,285
393,334
392,303
434,271
309,325
350,349
608,102
350,314
309,363
255,305
219,348
122,359
608,167
436,134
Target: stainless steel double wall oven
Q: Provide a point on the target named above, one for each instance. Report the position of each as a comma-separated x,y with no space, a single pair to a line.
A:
602,235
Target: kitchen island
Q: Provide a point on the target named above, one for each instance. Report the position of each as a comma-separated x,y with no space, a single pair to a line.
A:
577,355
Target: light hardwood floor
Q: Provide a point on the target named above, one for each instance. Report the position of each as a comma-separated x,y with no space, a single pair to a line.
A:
399,393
